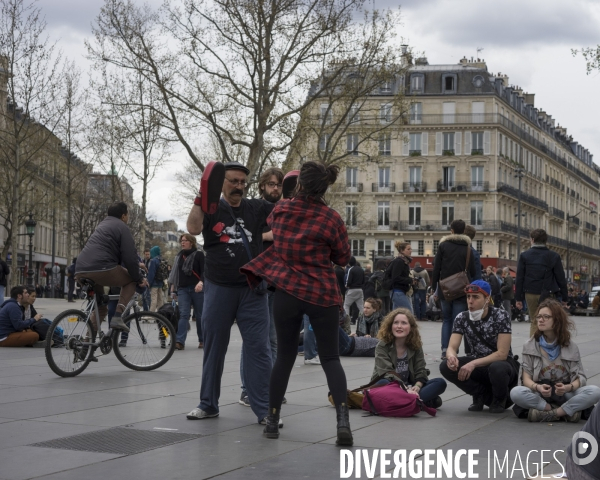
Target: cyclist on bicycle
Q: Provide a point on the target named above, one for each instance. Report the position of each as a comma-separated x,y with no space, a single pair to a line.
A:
109,258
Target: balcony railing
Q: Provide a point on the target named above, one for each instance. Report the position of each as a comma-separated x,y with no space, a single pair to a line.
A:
348,188
366,225
513,192
358,253
414,187
555,212
575,220
383,187
463,186
589,226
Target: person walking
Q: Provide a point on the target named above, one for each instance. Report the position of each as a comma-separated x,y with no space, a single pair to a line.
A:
156,279
495,285
308,236
71,280
399,271
451,258
355,278
420,294
4,273
187,286
507,290
540,275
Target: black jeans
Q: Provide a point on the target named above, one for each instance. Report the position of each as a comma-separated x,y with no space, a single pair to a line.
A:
288,312
490,382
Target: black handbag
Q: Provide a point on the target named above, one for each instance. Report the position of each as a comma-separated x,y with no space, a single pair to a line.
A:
41,328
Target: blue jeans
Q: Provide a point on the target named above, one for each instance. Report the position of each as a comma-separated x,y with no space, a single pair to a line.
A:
345,342
223,305
146,299
420,304
401,300
433,388
187,297
310,342
272,340
449,312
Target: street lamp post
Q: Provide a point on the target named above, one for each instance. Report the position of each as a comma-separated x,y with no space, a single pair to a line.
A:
569,217
30,224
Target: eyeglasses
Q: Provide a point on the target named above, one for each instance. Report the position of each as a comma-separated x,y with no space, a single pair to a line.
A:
273,185
237,183
545,317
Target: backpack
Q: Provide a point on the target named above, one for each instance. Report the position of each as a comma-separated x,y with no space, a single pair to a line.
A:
171,312
392,400
419,281
162,271
377,280
388,281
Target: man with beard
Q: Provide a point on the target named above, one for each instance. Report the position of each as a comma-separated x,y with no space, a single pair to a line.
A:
270,186
227,295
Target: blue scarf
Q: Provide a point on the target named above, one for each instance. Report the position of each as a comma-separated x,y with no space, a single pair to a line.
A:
552,349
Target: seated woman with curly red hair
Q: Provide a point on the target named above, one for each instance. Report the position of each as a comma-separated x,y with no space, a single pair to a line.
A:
400,350
553,381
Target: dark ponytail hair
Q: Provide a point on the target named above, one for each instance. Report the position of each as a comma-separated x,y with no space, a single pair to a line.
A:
314,179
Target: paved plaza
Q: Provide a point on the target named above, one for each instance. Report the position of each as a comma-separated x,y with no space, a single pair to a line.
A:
150,407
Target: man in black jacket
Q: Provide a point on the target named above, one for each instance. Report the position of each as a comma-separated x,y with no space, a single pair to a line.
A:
4,272
451,258
110,259
495,286
539,270
355,278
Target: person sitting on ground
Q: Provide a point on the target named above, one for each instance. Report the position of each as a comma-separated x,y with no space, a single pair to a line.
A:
553,380
488,371
596,301
368,322
15,330
434,308
353,346
400,350
584,300
28,309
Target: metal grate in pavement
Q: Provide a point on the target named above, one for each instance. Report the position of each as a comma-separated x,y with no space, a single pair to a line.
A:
121,441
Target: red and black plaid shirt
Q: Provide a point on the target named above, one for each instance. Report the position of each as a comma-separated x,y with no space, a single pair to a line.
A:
308,236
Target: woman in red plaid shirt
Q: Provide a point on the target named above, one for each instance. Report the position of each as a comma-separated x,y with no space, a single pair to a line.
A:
308,237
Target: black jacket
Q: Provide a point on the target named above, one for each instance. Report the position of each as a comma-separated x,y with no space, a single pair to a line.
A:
494,284
356,278
535,264
4,272
339,274
110,245
451,258
507,289
400,272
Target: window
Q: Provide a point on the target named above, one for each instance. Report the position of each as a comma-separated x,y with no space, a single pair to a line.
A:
325,143
447,213
351,176
476,143
386,87
414,215
383,214
448,177
351,214
416,110
354,114
384,248
357,247
414,144
385,113
384,177
326,114
436,244
448,112
478,111
478,81
414,176
385,144
479,244
449,81
477,213
477,178
417,83
352,143
448,145
421,248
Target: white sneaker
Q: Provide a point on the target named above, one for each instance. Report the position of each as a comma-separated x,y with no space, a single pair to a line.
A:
198,414
264,422
312,361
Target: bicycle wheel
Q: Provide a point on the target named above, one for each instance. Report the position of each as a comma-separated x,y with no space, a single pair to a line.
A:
149,344
65,353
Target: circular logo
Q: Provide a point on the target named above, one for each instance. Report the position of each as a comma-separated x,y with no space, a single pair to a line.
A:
584,448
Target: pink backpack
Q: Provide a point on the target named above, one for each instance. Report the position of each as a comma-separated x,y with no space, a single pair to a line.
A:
392,400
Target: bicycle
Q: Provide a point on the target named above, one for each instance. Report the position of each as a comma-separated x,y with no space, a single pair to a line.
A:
71,339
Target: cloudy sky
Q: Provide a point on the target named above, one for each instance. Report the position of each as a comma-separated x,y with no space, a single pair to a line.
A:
528,40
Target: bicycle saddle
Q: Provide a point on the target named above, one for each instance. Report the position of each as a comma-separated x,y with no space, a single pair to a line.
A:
86,282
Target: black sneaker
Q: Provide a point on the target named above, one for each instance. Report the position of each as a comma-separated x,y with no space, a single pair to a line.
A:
498,405
244,400
477,405
122,344
435,403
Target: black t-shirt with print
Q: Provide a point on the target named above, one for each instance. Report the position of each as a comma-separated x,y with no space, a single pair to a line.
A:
496,322
402,367
225,251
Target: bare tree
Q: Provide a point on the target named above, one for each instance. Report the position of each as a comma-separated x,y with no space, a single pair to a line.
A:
239,68
29,111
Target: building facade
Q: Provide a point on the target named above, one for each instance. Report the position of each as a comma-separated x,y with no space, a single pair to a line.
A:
468,147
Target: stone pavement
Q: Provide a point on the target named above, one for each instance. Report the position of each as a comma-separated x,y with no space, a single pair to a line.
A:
37,406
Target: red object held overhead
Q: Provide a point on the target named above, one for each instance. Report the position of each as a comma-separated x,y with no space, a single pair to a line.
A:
211,185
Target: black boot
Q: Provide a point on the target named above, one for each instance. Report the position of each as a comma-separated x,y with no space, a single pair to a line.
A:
498,405
344,434
272,428
477,405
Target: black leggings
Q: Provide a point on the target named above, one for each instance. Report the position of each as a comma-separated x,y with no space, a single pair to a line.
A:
288,312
